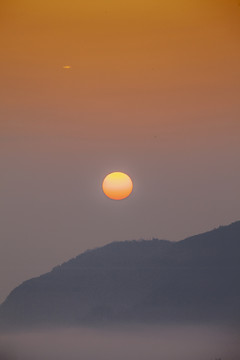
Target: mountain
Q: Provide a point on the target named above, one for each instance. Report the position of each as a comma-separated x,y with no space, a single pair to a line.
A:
196,279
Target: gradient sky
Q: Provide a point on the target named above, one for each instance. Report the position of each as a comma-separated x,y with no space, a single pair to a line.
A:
153,90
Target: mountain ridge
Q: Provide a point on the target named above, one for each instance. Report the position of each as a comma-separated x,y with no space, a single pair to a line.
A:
140,280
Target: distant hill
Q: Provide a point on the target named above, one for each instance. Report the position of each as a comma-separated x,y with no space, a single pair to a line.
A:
196,279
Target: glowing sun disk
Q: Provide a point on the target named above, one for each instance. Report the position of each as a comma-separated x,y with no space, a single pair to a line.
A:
117,185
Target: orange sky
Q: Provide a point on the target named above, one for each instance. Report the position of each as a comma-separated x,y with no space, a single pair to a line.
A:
148,66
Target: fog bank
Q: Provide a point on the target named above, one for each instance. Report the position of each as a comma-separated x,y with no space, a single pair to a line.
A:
128,343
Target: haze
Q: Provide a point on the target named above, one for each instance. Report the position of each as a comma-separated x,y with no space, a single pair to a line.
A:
169,342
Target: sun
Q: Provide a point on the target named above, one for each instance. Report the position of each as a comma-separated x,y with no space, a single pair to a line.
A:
117,185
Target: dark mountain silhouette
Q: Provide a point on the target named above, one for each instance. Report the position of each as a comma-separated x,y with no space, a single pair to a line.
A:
196,279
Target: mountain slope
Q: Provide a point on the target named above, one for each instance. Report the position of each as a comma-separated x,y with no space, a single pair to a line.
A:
154,281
